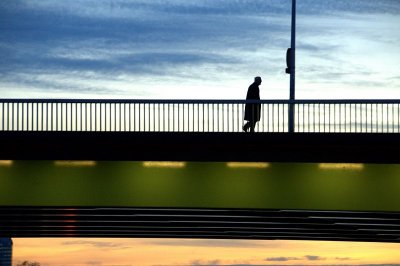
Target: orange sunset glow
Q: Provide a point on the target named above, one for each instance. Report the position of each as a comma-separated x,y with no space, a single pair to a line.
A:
102,252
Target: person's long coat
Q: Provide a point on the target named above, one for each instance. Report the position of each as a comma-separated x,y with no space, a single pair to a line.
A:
253,110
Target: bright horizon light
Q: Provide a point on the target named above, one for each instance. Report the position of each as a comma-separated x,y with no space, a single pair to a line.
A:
195,252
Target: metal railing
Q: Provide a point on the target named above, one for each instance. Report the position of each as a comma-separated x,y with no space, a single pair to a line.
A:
329,116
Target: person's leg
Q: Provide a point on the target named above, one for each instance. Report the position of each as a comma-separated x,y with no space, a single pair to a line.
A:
246,126
252,125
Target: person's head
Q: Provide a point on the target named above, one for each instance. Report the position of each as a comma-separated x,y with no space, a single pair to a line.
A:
257,80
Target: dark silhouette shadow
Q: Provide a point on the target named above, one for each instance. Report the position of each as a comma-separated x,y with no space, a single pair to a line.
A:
252,111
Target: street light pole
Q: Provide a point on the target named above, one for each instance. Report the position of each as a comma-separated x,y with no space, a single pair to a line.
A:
291,68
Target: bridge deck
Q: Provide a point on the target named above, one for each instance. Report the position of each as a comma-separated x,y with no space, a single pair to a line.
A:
162,146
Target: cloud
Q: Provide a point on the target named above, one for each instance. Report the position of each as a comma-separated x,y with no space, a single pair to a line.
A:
96,244
205,262
282,259
313,258
94,263
343,258
307,257
207,243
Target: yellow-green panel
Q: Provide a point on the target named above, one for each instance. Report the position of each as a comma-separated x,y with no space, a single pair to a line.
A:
370,187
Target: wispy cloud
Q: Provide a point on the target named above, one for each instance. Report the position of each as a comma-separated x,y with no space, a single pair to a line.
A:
96,244
343,258
286,259
205,262
208,243
282,259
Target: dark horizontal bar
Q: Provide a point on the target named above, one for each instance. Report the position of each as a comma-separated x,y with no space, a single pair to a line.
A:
175,146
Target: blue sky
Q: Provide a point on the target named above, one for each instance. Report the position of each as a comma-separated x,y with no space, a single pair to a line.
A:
198,49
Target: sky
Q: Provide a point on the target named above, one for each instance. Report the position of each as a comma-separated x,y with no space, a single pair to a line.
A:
191,252
197,49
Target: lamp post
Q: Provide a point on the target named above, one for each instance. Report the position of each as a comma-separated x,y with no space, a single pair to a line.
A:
291,69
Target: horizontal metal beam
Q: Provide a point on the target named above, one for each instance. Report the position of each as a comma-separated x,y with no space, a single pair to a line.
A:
205,101
202,223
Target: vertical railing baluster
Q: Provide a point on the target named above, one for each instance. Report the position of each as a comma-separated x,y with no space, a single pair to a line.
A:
120,117
168,118
47,116
66,117
188,118
100,116
392,118
345,117
366,118
23,116
202,122
81,116
376,119
56,126
241,116
198,117
31,116
218,122
76,117
226,109
17,116
115,116
12,116
372,119
268,116
160,117
179,117
42,117
135,117
91,122
273,118
2,116
70,115
387,118
129,117
110,122
383,118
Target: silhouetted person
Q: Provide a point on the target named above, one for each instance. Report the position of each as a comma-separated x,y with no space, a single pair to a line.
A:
252,111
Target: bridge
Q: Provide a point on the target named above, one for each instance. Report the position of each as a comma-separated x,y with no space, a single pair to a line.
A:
185,168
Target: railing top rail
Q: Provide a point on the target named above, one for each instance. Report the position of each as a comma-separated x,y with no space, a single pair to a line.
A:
145,101
206,101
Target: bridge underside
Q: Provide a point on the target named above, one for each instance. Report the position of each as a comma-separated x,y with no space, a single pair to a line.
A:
200,223
207,147
291,197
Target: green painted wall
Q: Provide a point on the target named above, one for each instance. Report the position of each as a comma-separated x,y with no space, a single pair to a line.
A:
206,185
